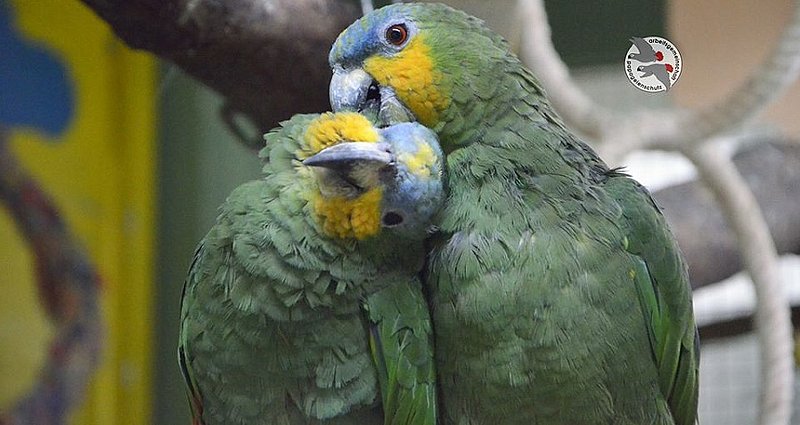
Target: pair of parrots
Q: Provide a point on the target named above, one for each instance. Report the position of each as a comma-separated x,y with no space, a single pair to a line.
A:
439,249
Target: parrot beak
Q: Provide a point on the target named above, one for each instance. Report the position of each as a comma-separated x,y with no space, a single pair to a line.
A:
350,90
358,164
355,90
346,154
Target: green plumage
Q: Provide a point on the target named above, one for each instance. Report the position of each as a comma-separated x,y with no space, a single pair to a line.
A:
558,293
282,324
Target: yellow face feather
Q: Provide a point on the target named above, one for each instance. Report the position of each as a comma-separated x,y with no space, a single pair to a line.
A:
349,218
414,78
330,129
339,216
421,162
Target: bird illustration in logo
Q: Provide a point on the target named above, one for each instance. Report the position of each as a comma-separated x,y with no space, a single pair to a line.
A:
660,70
646,51
663,65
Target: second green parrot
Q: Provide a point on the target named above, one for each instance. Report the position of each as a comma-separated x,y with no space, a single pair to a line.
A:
557,292
303,305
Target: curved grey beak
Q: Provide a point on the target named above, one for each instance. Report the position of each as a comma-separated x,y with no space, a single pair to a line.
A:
348,89
345,156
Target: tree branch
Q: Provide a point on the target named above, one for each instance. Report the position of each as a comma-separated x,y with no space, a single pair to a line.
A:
772,172
268,58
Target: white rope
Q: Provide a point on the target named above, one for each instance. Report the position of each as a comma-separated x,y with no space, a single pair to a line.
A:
772,316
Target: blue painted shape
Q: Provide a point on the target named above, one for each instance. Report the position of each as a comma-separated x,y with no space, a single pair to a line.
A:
35,90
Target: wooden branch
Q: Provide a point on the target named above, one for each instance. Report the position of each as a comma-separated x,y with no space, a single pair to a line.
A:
268,58
772,171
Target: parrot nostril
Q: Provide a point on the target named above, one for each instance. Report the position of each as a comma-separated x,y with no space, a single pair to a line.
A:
392,219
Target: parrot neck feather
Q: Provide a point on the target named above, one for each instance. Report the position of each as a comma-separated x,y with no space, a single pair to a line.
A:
520,152
519,125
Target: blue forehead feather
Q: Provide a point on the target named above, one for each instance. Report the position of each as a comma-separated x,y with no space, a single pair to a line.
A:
364,37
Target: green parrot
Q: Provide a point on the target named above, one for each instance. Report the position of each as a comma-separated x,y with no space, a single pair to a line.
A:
303,304
557,292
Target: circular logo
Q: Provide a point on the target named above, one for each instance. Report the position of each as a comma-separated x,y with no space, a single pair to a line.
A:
653,64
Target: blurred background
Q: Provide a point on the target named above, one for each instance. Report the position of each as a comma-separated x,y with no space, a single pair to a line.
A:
113,162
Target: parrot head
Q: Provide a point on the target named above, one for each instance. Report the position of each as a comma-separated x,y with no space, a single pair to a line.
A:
414,61
375,181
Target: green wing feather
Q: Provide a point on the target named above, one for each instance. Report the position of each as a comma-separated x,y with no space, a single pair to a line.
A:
665,294
192,392
401,341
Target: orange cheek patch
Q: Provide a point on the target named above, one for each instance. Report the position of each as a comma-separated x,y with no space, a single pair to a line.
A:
415,80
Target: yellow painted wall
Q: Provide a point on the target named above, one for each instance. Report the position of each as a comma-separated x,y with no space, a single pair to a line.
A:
101,175
24,330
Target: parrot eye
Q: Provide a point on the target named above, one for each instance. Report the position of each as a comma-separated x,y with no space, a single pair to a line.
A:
397,34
